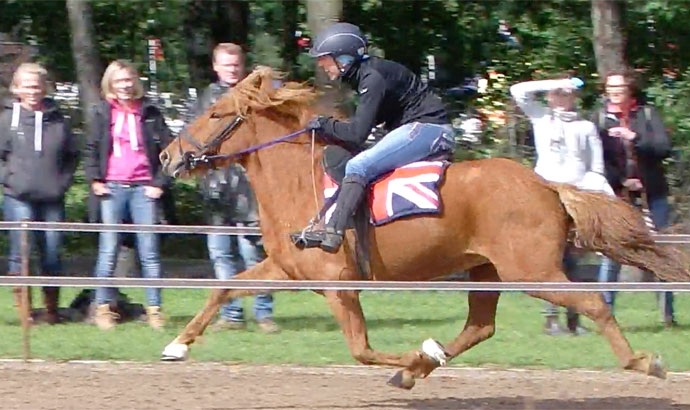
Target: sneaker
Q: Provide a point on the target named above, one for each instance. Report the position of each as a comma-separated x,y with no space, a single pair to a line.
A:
225,324
268,326
105,318
155,318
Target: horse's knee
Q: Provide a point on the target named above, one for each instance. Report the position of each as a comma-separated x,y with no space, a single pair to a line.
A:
219,296
362,356
595,308
487,331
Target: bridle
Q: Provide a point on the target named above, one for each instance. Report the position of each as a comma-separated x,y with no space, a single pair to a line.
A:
205,152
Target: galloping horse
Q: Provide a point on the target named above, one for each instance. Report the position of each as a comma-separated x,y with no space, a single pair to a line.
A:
500,221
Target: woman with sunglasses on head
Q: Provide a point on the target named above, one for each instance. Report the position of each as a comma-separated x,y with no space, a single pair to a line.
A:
635,144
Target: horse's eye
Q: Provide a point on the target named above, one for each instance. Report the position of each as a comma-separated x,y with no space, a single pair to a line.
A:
215,115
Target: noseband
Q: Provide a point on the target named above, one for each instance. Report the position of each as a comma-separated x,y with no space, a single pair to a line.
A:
204,152
207,153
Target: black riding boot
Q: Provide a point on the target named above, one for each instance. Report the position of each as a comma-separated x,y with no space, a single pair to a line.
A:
351,194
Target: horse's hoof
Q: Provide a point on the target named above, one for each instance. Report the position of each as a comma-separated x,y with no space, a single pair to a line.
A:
402,380
656,367
175,352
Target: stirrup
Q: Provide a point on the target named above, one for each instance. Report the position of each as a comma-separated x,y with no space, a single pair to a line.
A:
303,239
332,241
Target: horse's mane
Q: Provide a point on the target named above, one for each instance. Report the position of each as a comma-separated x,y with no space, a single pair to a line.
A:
258,92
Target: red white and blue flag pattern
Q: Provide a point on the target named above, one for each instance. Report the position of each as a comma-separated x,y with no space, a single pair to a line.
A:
409,190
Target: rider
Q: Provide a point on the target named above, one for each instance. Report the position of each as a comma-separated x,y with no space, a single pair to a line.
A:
388,93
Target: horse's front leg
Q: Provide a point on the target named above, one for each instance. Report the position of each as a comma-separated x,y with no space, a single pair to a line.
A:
348,311
179,348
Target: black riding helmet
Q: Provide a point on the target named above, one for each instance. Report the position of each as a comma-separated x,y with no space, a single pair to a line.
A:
344,41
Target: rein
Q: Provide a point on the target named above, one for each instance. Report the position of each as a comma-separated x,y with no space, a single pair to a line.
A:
193,161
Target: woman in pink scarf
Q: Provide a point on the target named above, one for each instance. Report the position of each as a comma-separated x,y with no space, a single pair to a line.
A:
121,163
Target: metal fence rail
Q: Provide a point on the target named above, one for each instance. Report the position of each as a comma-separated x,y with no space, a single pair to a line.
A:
128,228
341,285
198,229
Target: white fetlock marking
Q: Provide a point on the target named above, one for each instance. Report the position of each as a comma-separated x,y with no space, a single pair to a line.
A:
175,351
435,351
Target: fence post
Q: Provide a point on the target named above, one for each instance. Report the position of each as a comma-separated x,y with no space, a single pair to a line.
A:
25,306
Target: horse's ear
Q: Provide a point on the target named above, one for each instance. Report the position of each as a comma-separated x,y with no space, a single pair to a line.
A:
269,79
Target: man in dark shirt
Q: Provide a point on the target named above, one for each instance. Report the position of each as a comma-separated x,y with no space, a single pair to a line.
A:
229,201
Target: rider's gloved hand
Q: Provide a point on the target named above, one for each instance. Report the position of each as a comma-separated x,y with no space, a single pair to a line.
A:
316,123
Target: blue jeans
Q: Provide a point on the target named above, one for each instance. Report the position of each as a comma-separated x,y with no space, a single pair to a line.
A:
405,144
231,255
129,200
49,242
610,270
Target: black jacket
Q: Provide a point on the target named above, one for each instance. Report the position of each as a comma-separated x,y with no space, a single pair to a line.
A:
99,144
226,192
34,170
388,93
651,146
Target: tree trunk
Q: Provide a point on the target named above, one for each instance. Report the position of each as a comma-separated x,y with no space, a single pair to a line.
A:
290,50
609,39
321,14
86,58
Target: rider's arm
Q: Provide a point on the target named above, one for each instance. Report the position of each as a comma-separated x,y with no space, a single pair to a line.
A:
594,149
372,88
524,95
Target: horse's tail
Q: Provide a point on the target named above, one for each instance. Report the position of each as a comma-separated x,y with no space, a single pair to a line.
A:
617,229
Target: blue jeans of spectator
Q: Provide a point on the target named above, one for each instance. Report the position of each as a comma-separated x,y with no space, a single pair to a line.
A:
49,242
405,144
123,200
610,270
569,266
231,255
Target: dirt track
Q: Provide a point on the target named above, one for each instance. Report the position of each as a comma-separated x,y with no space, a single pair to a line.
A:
197,386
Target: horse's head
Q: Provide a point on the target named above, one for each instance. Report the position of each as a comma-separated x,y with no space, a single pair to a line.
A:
257,111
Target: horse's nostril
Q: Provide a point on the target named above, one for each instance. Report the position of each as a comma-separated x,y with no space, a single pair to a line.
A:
164,157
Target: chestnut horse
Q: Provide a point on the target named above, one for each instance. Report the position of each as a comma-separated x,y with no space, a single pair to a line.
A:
500,222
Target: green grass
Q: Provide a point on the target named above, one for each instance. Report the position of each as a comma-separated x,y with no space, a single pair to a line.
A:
397,322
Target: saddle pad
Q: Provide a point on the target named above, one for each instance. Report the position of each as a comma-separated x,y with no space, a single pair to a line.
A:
409,190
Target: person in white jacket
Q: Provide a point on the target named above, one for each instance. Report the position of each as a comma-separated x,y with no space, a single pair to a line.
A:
569,150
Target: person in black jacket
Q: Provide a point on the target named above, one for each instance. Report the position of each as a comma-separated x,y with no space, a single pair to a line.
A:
416,120
122,167
38,159
229,201
635,143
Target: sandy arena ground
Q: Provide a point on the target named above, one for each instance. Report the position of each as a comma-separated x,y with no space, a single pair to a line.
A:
204,386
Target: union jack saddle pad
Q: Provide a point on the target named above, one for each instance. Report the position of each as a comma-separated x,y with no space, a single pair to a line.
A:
412,189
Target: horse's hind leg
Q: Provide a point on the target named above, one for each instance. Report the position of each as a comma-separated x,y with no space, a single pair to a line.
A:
592,305
480,325
179,347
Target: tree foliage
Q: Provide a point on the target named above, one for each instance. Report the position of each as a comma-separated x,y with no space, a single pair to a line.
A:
547,37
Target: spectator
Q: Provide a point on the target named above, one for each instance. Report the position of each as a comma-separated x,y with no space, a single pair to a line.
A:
123,169
568,151
635,144
230,202
38,158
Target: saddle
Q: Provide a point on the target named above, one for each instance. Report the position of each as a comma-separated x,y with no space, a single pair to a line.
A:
334,161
